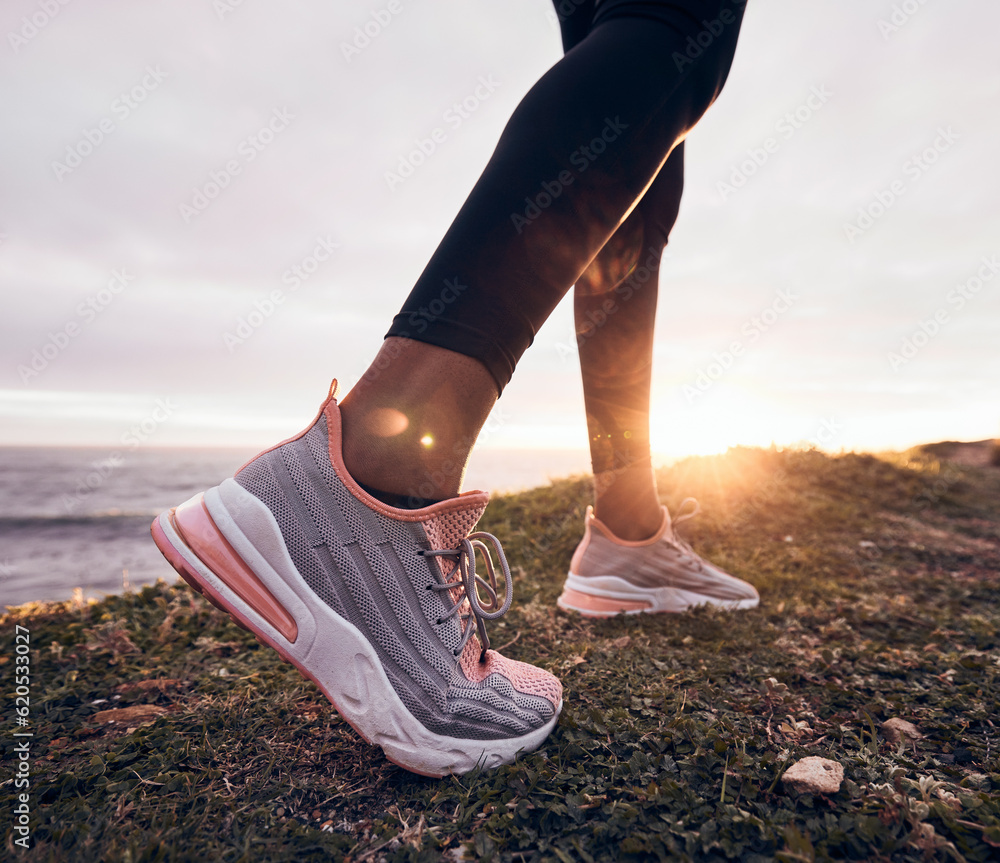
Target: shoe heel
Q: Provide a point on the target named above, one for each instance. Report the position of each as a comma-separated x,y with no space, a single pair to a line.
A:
174,558
203,540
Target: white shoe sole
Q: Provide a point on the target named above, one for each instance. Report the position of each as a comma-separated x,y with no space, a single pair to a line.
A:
607,596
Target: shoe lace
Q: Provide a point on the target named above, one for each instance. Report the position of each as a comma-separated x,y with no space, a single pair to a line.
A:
470,583
680,518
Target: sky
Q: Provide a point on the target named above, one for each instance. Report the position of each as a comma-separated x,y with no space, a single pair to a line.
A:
209,209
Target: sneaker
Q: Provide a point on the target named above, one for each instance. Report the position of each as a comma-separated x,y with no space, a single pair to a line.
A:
382,608
609,575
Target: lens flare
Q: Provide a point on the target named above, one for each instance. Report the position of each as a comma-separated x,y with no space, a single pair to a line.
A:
387,422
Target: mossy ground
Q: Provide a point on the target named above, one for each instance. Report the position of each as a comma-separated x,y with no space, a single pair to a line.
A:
878,579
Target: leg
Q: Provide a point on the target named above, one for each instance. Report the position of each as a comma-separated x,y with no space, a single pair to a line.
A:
580,152
615,308
630,558
412,420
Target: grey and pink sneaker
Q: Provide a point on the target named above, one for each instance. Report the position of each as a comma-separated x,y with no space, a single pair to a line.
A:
381,607
609,575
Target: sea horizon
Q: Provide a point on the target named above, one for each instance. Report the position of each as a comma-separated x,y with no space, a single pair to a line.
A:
78,517
75,520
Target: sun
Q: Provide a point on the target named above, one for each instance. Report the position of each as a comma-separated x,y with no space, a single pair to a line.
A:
725,417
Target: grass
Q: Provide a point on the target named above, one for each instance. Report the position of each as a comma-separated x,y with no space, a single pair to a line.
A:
879,580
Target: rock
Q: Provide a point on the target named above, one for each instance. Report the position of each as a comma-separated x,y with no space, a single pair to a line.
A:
814,775
896,729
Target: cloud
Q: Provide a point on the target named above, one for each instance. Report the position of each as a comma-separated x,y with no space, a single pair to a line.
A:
184,91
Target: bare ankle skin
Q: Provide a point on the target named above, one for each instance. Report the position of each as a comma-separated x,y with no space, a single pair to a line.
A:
411,421
627,503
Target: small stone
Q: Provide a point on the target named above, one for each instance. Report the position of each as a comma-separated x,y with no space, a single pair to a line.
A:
896,729
814,775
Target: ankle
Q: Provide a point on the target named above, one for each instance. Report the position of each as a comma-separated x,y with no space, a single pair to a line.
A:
400,465
410,423
627,504
631,528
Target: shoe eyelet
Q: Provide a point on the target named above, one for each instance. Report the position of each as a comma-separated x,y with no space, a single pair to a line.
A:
439,621
420,552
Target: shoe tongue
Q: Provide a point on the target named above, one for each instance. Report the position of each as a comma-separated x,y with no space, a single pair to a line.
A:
445,530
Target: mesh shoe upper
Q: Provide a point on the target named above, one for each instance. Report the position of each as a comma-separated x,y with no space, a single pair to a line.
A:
660,561
365,561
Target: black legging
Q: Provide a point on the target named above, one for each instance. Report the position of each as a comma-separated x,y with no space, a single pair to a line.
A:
585,144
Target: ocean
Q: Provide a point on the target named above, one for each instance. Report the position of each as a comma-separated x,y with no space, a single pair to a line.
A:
79,517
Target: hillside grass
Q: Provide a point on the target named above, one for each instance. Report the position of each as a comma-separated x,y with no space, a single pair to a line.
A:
879,583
